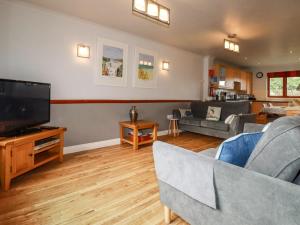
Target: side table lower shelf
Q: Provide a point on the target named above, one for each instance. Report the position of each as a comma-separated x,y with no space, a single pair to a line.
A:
135,127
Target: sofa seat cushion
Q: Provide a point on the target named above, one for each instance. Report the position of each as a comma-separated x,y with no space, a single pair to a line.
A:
211,152
217,125
277,154
190,121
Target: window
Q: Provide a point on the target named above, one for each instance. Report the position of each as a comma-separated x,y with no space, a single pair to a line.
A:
284,84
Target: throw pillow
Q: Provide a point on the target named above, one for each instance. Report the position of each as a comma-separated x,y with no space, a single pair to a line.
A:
277,154
185,112
236,150
229,119
266,105
213,113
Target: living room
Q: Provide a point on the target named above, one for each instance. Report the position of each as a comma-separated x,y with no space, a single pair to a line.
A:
111,78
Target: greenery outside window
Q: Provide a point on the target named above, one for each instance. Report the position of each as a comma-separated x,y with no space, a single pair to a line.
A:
284,84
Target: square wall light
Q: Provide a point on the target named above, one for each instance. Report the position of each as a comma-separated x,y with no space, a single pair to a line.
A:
83,51
165,65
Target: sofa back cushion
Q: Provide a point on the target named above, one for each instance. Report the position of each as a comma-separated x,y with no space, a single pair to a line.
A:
199,108
277,154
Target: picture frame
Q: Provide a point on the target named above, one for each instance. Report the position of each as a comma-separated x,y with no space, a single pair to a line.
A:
145,74
111,63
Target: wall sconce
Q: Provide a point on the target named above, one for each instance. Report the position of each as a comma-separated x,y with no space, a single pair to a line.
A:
83,51
165,65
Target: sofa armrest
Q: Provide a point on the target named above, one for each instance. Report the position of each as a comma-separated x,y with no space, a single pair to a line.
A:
237,125
187,171
176,114
253,127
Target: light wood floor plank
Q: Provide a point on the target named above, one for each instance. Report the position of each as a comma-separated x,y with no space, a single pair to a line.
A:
112,185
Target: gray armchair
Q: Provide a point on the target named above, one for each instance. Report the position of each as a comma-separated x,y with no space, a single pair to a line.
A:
203,191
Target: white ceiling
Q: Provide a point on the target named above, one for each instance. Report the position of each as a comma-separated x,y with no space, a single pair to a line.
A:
267,29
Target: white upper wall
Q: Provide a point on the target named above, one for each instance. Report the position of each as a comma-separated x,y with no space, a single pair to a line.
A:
40,45
260,85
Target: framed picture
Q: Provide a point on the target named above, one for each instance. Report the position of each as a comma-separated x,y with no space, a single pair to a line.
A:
145,75
111,63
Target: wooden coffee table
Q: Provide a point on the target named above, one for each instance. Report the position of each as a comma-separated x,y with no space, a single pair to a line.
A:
135,127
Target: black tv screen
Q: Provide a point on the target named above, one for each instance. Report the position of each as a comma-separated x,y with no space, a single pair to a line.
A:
23,104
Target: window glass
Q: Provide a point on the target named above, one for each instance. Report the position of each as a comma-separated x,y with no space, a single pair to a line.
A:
293,86
276,86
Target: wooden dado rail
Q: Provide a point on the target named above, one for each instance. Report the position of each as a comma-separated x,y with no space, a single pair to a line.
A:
107,101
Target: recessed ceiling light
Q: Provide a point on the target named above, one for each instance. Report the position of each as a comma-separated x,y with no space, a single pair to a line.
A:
291,51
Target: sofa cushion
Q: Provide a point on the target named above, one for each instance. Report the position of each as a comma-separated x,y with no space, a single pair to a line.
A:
277,154
199,109
211,152
190,121
185,112
236,150
213,113
217,125
228,108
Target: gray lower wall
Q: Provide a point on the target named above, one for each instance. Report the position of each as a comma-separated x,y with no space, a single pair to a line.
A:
88,123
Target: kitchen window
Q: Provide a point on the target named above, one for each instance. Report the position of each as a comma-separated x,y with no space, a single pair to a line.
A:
284,84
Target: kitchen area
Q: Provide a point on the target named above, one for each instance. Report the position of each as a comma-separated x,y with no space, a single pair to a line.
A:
229,83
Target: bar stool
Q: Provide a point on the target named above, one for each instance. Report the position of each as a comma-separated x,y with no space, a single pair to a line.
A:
173,126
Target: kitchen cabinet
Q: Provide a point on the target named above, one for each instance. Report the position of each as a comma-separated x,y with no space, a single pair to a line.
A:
232,75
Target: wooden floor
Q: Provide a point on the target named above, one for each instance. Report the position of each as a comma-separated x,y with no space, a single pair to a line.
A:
113,185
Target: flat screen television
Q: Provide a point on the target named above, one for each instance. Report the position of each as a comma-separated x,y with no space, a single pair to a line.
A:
23,104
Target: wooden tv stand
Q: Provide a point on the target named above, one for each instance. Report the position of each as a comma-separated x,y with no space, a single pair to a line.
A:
21,154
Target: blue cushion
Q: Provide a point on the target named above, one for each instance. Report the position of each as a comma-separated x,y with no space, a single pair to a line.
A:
237,150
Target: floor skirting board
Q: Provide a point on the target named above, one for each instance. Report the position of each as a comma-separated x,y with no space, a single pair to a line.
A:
99,144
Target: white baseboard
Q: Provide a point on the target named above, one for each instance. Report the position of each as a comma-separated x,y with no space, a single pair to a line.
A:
99,144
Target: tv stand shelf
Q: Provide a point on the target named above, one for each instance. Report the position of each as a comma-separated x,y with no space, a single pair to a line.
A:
21,154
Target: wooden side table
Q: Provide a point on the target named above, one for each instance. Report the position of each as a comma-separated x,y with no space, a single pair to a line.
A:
135,127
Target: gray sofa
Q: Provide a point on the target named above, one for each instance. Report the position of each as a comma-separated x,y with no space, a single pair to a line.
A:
197,122
243,196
